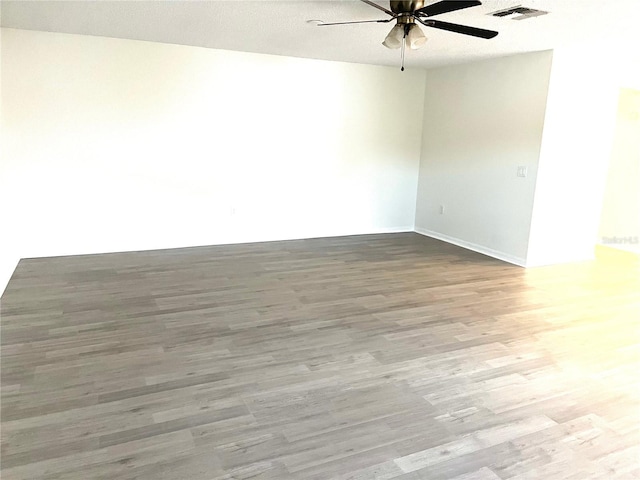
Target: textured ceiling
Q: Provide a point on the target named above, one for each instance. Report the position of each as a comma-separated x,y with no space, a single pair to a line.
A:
280,27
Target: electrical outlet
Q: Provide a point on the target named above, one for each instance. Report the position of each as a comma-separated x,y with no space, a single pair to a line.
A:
441,209
522,171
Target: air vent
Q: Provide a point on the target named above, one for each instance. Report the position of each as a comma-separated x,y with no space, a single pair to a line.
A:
518,13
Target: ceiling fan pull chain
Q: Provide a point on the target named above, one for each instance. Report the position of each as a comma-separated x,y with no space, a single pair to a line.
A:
404,41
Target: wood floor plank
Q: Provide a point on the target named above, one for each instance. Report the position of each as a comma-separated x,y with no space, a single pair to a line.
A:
369,357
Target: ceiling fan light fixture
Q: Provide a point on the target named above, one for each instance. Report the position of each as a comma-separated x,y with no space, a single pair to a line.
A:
416,38
394,39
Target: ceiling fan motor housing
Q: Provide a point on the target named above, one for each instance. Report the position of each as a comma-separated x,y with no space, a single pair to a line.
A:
406,6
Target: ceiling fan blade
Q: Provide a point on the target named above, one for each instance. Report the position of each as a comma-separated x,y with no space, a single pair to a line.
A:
375,5
445,6
323,24
454,27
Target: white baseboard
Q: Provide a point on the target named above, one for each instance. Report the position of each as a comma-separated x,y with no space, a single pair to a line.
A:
343,233
260,238
521,262
409,229
230,240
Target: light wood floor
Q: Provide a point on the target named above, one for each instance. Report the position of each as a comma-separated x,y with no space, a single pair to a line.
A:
371,357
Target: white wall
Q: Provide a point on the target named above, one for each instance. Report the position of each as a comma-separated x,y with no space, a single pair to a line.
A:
113,145
8,258
574,157
620,219
482,121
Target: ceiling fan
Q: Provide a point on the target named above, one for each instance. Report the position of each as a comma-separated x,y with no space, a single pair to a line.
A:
407,12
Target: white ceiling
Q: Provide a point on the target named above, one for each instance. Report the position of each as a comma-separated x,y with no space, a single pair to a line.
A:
280,27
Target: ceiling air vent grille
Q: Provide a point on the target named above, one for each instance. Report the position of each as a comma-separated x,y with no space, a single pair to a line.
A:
518,13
